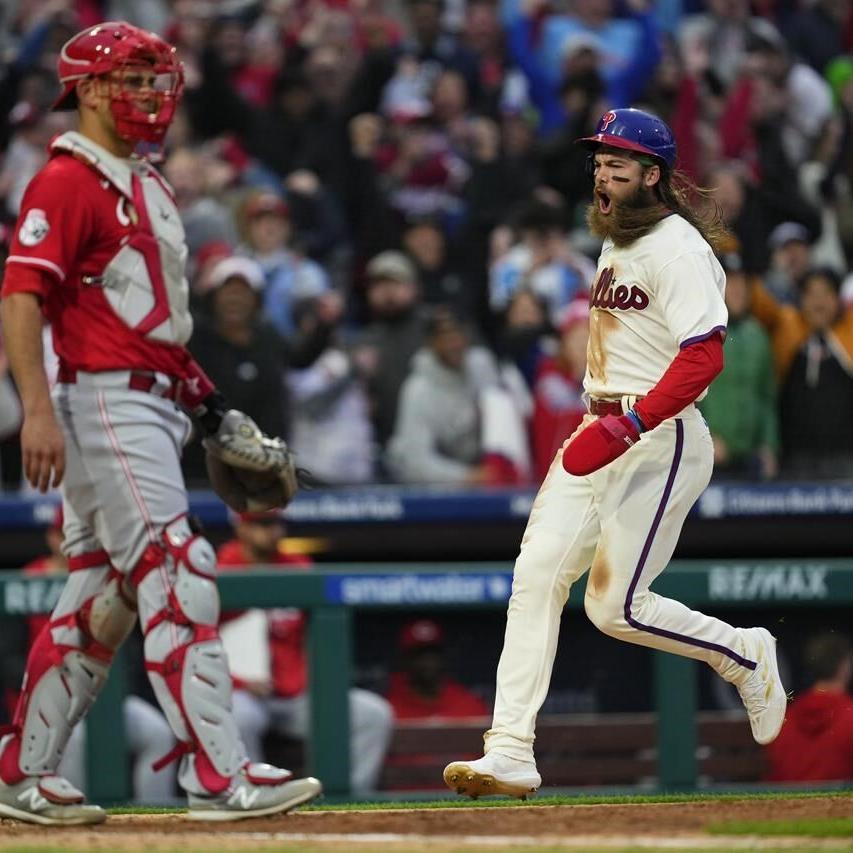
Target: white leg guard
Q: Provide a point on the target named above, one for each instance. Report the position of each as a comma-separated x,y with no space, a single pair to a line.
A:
67,666
57,703
179,609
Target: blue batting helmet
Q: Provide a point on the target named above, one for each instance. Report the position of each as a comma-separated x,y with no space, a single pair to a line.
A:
634,130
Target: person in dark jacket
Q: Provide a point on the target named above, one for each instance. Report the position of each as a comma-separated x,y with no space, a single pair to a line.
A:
384,349
245,355
816,741
816,399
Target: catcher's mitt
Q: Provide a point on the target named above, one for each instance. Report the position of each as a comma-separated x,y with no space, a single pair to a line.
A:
250,471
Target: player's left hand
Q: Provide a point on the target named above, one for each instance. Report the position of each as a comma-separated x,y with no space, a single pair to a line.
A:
600,443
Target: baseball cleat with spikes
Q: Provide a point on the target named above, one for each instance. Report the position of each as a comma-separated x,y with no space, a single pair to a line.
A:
493,774
762,691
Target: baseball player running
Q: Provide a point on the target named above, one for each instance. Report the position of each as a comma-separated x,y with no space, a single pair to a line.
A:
99,250
618,491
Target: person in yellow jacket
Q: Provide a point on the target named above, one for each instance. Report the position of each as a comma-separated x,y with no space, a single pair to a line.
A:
790,327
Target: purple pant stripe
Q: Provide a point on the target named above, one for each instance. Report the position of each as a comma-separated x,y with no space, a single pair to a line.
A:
660,632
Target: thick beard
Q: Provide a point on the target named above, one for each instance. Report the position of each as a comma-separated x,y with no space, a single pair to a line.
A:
628,220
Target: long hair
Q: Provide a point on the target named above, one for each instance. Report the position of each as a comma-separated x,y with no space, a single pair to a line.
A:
673,193
694,203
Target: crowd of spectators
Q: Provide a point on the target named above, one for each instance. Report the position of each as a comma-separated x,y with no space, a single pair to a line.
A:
384,210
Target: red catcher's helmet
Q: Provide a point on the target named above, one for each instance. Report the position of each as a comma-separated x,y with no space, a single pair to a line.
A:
120,50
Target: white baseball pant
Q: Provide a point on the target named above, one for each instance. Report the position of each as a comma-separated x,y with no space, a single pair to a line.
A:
623,521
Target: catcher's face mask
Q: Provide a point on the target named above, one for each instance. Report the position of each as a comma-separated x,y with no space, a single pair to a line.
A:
144,77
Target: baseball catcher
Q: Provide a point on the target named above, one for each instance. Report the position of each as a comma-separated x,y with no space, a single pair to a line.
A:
99,250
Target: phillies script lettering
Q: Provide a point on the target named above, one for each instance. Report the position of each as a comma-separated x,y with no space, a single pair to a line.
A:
605,295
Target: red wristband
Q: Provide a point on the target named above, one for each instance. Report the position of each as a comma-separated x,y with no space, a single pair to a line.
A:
196,385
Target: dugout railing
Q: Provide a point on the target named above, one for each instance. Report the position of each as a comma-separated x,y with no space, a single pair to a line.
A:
331,593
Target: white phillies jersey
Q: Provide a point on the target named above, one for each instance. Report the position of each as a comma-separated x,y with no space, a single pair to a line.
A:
651,298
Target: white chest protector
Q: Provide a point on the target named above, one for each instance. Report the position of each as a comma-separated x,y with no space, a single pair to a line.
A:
144,283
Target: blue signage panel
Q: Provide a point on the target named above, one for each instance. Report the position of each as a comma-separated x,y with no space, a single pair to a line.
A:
770,499
419,589
390,504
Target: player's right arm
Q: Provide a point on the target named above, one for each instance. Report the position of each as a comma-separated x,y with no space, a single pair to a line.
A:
42,444
54,223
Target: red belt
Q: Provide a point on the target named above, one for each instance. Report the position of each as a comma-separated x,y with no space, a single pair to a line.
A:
138,380
600,408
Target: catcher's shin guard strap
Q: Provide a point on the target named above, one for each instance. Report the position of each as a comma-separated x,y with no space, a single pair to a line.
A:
153,558
90,560
180,749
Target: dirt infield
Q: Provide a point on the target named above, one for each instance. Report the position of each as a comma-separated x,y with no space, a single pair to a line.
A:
648,825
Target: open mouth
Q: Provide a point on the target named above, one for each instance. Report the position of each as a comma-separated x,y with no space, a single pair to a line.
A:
604,203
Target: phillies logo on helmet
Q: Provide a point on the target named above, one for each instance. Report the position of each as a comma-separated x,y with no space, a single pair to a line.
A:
607,119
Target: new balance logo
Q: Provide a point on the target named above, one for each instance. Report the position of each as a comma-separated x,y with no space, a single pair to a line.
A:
244,797
36,801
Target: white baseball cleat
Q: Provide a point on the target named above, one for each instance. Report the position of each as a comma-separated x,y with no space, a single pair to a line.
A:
49,801
762,691
245,798
493,774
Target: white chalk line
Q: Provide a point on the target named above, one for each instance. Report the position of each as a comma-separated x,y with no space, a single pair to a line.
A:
741,842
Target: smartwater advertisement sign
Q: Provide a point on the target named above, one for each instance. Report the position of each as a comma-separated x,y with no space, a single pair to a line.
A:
419,589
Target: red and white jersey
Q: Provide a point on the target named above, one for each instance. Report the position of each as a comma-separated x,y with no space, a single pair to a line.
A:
107,233
650,299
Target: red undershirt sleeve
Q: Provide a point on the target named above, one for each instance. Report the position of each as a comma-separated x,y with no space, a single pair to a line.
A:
689,374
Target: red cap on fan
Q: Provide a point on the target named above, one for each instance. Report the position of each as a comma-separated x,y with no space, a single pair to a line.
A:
574,313
267,516
421,634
